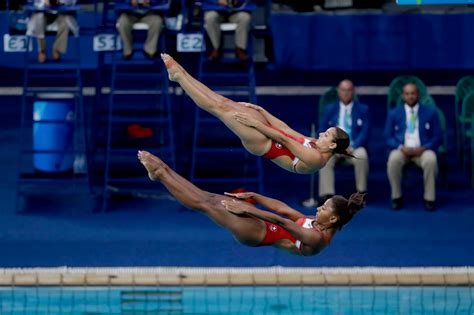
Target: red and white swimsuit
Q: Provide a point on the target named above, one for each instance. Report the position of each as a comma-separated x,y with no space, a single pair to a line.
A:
277,149
276,232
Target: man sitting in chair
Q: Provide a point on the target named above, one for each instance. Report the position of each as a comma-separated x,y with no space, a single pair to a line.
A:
64,20
140,11
413,134
353,117
233,11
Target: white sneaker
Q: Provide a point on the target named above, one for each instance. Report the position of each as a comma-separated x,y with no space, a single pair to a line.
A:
309,203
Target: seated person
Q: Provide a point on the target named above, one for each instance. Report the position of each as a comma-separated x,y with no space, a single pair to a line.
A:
413,134
351,116
233,12
141,12
40,20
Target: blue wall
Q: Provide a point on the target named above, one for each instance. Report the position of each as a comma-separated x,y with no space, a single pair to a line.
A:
342,41
373,41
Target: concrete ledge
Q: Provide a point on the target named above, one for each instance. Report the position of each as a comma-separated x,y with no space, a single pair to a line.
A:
170,276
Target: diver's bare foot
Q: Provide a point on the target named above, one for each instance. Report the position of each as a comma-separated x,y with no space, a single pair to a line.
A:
174,69
153,164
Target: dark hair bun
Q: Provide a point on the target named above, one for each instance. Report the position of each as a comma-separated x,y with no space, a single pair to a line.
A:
356,202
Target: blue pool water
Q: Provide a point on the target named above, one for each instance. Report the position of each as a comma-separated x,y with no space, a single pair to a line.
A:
237,300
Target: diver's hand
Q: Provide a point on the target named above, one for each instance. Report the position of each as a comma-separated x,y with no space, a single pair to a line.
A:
242,195
246,119
233,206
253,106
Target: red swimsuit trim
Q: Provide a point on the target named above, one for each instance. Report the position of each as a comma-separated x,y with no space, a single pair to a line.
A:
277,149
275,233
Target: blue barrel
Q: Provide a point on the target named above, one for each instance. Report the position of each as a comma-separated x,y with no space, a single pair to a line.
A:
56,132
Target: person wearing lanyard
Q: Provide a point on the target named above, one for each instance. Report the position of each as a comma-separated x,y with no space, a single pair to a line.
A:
413,134
353,117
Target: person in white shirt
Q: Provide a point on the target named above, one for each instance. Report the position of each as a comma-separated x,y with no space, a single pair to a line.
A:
413,134
353,117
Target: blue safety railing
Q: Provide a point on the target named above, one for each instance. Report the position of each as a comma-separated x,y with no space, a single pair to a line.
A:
234,79
138,117
54,154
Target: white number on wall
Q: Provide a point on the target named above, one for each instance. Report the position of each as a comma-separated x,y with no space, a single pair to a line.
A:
191,42
16,43
107,42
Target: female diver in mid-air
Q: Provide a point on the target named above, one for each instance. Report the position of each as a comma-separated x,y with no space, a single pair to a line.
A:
297,233
261,133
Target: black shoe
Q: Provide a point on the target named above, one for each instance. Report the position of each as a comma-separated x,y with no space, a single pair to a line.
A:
429,205
241,54
127,57
214,55
397,203
150,56
364,203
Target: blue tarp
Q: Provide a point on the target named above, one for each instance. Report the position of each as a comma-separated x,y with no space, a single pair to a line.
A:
345,42
373,41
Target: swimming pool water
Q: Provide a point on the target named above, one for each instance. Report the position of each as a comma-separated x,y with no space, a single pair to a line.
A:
236,300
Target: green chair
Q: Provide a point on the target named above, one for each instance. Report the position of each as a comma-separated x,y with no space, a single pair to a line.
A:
330,96
442,122
428,101
466,120
443,149
470,134
464,86
395,89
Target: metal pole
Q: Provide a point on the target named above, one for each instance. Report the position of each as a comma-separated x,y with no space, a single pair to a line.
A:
311,201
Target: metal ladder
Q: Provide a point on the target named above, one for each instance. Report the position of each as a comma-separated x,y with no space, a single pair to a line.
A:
218,158
50,81
138,96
